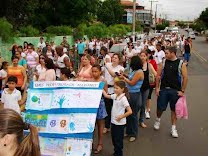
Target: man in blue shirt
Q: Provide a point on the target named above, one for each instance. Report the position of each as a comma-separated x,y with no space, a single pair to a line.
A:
80,48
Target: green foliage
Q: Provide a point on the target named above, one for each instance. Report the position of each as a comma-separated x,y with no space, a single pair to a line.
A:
138,26
28,31
80,31
59,30
6,30
110,12
49,37
204,17
119,30
160,27
198,26
98,30
182,24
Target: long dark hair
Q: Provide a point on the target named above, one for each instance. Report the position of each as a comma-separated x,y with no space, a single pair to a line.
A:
122,85
12,123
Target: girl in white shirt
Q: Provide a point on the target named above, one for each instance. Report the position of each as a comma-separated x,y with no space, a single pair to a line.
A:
121,109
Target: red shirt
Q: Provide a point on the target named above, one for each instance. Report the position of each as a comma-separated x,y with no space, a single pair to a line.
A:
154,64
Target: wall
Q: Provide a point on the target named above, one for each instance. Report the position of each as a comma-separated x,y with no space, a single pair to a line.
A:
4,47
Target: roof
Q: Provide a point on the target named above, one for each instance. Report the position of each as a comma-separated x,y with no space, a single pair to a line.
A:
127,3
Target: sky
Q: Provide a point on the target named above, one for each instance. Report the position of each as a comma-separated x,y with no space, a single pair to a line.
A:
177,9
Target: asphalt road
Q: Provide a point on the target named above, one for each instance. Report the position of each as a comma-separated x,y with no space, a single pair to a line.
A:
193,133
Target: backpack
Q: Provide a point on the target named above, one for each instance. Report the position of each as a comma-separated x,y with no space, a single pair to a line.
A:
179,70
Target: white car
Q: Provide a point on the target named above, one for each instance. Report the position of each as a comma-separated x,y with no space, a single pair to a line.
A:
192,35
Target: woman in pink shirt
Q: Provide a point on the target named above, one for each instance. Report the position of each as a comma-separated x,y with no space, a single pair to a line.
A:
85,72
32,59
49,74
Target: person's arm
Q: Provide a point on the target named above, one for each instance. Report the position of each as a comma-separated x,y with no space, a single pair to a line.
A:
185,79
2,100
24,64
137,76
67,62
158,78
24,78
106,95
37,59
126,114
111,72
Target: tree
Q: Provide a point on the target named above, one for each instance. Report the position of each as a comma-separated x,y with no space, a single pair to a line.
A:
160,27
110,12
204,17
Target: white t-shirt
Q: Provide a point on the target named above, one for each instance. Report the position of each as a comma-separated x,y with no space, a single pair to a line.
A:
41,45
109,78
130,54
138,49
11,100
61,64
91,44
3,74
152,48
158,56
120,104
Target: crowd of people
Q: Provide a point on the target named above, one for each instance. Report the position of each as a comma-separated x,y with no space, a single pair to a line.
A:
129,76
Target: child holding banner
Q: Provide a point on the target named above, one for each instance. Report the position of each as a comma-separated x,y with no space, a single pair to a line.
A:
121,109
101,114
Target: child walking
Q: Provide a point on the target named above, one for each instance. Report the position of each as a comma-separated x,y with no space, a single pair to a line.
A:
11,97
121,109
101,114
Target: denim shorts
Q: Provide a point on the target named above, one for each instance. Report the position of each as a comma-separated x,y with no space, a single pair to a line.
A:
167,96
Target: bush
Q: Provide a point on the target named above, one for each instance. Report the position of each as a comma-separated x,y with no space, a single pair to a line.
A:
60,30
119,30
28,31
80,31
6,30
98,30
160,27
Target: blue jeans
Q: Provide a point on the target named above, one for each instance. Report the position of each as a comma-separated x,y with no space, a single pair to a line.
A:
144,95
135,102
187,57
117,134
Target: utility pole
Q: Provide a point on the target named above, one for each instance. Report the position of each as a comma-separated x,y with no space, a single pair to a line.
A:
134,20
156,15
152,1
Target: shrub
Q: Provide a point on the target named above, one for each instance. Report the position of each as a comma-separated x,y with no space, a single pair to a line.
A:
28,31
60,30
98,30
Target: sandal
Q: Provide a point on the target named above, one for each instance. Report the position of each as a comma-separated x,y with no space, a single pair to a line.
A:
143,125
99,149
106,130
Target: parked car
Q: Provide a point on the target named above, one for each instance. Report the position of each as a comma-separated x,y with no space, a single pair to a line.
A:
192,35
117,48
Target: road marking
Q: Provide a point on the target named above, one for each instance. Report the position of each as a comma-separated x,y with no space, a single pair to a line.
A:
199,56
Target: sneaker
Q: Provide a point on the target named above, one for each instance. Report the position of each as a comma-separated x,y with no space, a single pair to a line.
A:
174,133
147,114
157,125
132,139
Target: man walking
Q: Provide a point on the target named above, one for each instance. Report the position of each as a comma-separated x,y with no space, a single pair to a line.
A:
171,83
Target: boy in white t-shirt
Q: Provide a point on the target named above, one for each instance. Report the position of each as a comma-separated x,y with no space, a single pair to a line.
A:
11,97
